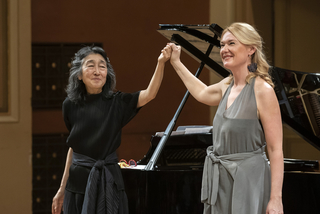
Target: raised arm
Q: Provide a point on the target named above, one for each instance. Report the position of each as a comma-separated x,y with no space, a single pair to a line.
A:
209,95
57,201
150,93
269,112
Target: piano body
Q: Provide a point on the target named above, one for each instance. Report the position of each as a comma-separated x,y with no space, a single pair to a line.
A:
168,179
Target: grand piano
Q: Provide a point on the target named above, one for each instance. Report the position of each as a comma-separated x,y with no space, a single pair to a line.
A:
168,178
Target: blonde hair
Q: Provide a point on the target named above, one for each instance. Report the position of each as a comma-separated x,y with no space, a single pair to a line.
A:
248,35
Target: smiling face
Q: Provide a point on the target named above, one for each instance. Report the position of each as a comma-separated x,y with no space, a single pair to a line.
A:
94,73
233,53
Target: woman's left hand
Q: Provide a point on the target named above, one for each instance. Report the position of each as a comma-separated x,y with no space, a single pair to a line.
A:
275,206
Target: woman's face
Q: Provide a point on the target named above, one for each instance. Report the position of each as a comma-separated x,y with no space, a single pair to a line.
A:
94,73
233,53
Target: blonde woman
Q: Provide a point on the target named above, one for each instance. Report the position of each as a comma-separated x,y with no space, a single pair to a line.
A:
237,178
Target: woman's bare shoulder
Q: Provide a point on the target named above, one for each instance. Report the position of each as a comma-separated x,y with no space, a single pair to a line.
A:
262,87
265,95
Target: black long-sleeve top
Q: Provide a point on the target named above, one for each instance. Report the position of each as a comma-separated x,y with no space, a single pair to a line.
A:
95,129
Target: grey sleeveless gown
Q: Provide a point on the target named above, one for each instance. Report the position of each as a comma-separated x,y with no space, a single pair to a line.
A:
236,177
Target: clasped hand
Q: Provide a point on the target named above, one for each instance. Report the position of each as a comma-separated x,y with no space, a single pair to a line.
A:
170,51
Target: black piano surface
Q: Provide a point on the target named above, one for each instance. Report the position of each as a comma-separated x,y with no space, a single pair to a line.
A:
173,185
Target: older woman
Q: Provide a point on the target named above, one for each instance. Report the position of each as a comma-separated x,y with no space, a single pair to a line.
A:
94,115
237,178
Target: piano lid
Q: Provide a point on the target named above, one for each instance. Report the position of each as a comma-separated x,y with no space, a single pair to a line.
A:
298,93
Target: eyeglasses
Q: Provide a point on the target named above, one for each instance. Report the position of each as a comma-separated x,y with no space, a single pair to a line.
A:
123,163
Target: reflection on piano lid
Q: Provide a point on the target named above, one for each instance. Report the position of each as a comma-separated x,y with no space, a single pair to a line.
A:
299,98
298,92
300,165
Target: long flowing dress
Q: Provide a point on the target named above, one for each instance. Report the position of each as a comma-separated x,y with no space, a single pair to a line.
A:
236,176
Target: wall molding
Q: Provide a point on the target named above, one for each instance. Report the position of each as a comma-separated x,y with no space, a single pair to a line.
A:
13,64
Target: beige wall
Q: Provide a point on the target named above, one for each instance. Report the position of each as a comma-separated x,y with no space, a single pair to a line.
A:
15,134
296,48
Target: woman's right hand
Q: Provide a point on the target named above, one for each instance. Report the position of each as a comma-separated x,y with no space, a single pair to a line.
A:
57,202
176,51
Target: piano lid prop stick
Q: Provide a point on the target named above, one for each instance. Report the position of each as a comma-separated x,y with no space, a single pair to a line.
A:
153,160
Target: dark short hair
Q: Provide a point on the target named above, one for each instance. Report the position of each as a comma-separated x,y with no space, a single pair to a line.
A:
76,89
